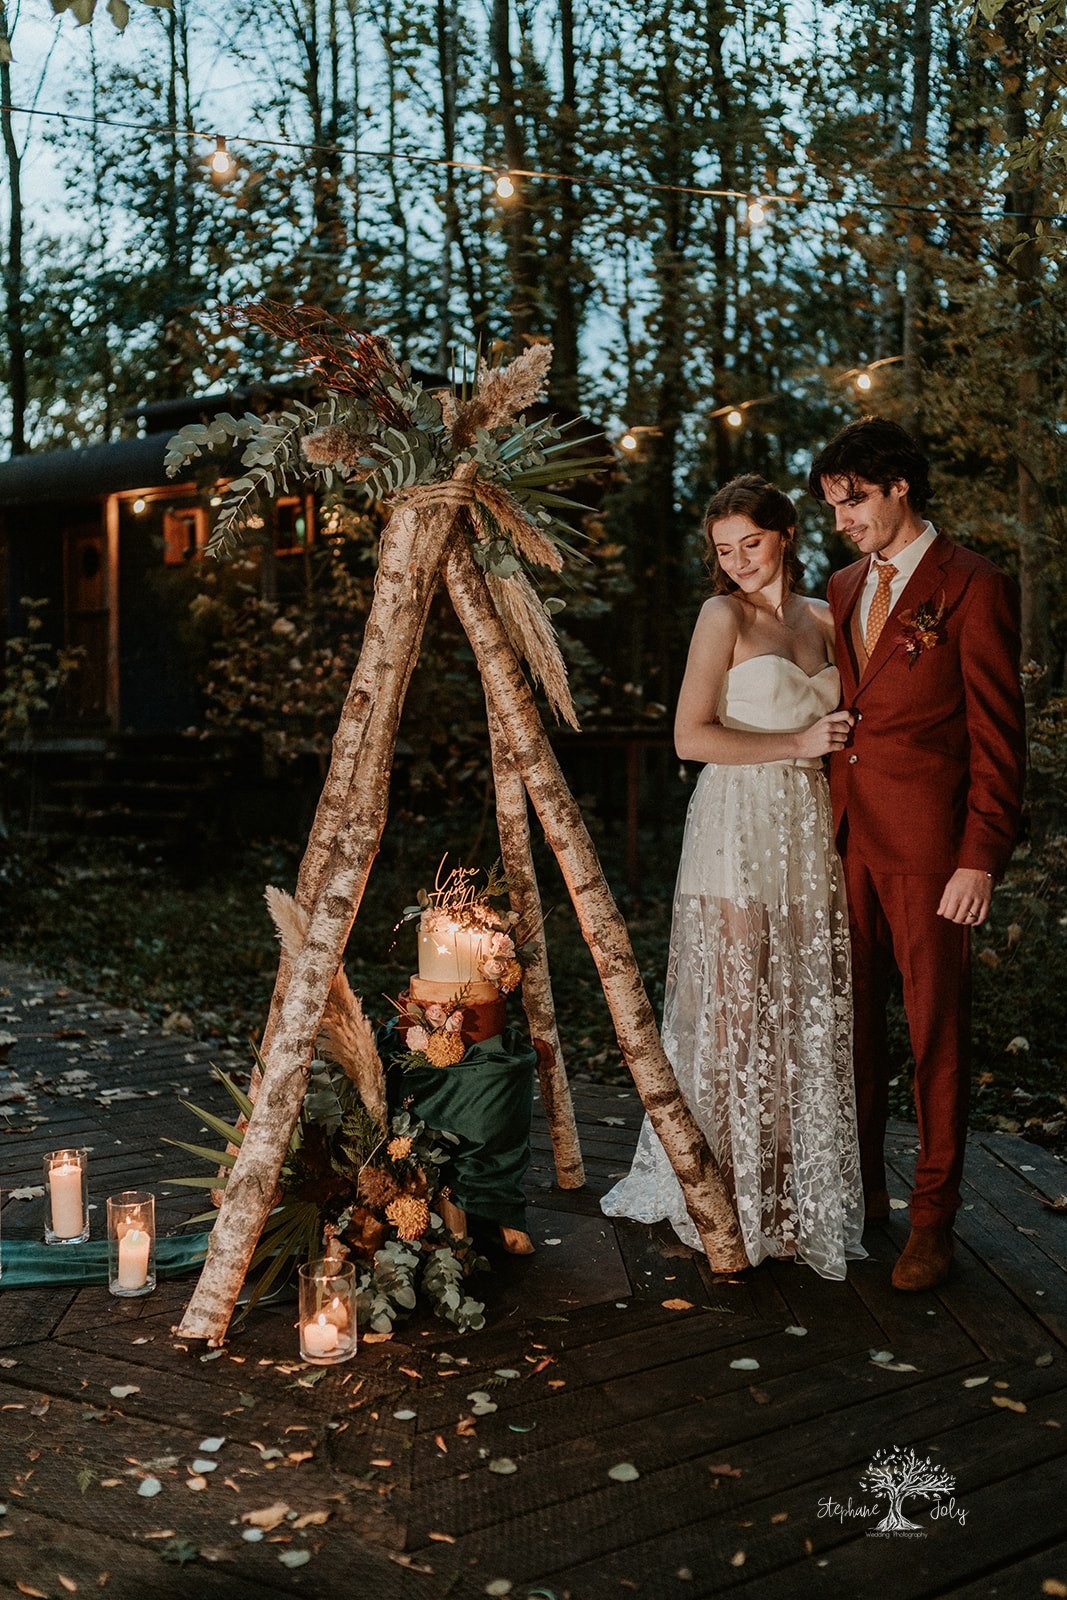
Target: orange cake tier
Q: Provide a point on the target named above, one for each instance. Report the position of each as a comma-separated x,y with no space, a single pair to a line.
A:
483,1020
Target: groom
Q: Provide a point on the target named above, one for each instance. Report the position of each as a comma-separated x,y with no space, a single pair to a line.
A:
927,799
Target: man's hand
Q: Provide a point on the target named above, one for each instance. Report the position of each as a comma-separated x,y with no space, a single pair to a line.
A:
967,897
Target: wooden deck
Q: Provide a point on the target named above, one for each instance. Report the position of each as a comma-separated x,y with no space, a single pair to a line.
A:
613,1344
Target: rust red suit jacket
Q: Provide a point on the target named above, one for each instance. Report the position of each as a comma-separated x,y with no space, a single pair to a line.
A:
932,777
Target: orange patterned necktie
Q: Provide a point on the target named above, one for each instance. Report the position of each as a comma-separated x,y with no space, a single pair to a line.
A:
879,612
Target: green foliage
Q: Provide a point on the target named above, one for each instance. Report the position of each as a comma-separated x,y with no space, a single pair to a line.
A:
34,672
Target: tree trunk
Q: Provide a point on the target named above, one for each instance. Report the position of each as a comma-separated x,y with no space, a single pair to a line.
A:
14,318
345,838
513,824
565,362
914,269
446,24
602,927
517,221
1029,356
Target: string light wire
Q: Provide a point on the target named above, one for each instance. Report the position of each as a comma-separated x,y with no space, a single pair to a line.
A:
589,180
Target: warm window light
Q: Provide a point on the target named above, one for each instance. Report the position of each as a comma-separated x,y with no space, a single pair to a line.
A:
735,419
221,162
216,500
504,187
139,506
757,213
864,381
628,441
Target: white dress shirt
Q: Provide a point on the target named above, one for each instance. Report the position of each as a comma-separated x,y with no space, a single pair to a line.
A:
905,562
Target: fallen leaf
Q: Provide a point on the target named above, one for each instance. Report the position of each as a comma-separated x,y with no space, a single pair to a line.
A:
122,1391
180,1552
404,1416
760,1396
196,1484
211,1445
506,1372
1054,1588
1008,1405
677,1305
205,1466
148,1487
499,1586
33,1193
442,1538
27,1588
745,1364
1045,1359
624,1472
722,1469
295,1558
252,1535
503,1465
440,1443
68,1583
780,1516
738,1559
880,1357
159,1533
798,1333
1059,1204
314,1519
974,1383
1019,1045
267,1517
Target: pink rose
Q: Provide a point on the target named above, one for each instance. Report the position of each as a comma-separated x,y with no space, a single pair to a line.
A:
454,1023
494,969
418,1038
501,944
436,1014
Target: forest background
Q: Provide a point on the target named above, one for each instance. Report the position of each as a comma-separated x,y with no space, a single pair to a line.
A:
918,152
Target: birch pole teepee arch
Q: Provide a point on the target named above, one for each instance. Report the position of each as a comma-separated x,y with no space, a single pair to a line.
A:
476,481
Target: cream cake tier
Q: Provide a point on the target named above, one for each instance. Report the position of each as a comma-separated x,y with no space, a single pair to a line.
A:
450,953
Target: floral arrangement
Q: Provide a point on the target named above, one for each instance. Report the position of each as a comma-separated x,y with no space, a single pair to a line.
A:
349,1189
377,436
921,628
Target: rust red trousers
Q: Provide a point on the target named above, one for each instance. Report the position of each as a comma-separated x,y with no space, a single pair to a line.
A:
893,918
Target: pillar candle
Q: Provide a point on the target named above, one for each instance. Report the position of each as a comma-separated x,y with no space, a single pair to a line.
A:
133,1259
65,1186
319,1337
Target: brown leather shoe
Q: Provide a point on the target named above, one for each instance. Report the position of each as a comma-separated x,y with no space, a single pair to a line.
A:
925,1260
876,1205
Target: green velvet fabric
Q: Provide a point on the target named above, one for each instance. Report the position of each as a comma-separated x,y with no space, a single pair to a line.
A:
28,1263
487,1102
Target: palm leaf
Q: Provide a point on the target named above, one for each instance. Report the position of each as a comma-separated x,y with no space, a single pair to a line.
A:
204,1152
225,1130
237,1095
216,1182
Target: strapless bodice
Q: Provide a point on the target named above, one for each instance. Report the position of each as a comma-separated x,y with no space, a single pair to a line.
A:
771,694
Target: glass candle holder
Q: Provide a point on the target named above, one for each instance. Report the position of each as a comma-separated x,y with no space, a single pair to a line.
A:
66,1197
131,1243
327,1312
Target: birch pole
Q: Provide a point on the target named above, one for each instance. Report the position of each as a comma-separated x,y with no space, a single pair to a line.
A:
513,825
602,925
354,811
413,545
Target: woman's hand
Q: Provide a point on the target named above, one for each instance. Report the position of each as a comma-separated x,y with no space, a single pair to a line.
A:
823,737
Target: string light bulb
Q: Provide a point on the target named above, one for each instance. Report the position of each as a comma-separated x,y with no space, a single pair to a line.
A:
628,441
221,162
140,506
735,418
757,213
864,381
505,189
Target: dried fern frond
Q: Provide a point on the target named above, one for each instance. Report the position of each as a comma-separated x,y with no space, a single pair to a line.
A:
503,393
345,1034
511,519
534,638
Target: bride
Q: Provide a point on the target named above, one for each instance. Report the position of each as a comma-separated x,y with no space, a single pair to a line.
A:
757,1018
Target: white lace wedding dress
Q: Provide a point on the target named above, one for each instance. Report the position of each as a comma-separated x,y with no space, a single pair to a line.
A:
757,1018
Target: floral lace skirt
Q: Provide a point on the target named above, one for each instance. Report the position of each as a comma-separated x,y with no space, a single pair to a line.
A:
757,1020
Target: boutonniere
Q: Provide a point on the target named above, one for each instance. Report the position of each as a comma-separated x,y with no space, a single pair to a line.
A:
921,629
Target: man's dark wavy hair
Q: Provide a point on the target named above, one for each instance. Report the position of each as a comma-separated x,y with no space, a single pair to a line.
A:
877,450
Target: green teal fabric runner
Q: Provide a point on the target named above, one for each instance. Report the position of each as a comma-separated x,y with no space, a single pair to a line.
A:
487,1102
27,1263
